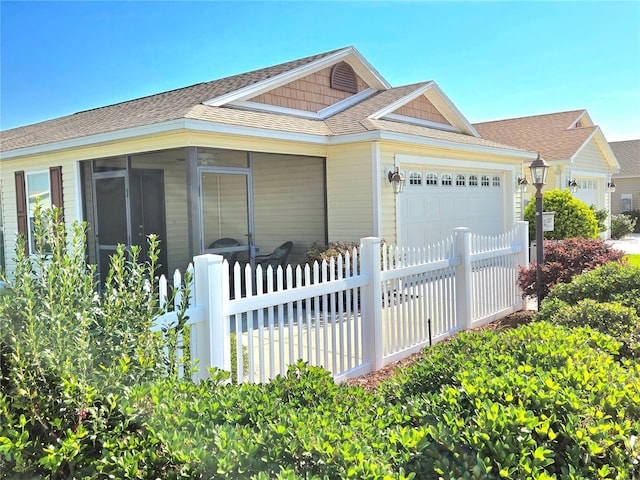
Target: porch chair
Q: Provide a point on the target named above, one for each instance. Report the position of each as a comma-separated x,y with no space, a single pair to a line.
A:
230,257
276,258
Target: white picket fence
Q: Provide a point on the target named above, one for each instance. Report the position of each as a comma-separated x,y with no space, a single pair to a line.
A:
352,315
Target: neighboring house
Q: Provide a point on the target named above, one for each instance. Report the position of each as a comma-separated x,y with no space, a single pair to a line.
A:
575,148
627,192
296,152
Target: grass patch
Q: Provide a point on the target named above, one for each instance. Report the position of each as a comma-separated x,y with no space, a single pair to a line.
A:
633,259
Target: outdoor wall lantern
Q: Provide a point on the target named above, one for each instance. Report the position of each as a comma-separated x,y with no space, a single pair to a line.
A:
396,179
539,169
523,184
572,185
611,187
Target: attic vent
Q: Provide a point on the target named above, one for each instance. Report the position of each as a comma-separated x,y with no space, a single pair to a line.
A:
344,78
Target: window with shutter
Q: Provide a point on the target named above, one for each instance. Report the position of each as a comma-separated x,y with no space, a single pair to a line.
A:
44,187
21,208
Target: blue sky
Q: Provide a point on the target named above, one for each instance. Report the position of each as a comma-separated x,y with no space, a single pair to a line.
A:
493,59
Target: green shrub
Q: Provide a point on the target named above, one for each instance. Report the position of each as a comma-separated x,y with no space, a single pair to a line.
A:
634,215
622,323
612,282
69,354
540,401
563,260
622,225
573,218
601,216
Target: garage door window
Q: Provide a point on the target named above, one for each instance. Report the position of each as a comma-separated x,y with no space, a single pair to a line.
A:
485,180
473,180
461,180
431,179
587,184
415,178
447,180
496,181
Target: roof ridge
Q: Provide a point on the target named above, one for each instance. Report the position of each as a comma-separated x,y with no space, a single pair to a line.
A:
530,116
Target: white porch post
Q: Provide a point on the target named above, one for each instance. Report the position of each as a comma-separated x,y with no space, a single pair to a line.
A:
372,302
463,278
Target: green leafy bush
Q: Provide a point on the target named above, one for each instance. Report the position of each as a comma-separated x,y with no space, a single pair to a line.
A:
606,299
622,225
573,217
601,215
69,354
515,405
612,282
622,323
634,215
563,260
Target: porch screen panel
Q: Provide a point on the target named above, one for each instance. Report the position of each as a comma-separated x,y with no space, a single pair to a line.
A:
289,202
224,207
112,211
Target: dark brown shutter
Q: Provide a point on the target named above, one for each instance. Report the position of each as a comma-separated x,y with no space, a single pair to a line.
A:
55,181
344,78
21,208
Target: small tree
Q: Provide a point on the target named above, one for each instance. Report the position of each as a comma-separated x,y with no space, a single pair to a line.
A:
573,218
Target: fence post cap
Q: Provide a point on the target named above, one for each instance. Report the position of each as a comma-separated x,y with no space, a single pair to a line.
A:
208,258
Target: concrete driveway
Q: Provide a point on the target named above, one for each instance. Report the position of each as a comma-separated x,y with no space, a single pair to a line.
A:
628,244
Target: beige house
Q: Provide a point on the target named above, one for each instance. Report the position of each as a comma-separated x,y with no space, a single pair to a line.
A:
576,149
298,152
627,181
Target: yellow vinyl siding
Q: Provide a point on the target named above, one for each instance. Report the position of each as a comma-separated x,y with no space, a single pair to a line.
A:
590,158
349,192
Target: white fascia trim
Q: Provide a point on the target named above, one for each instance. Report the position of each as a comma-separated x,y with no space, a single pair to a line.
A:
423,123
250,91
428,142
320,115
447,162
95,139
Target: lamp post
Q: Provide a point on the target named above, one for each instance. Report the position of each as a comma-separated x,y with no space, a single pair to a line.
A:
539,170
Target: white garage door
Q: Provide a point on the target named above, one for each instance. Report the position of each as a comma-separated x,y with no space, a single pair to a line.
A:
433,204
587,191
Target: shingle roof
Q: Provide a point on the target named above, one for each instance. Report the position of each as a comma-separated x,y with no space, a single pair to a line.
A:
548,134
628,154
187,103
148,110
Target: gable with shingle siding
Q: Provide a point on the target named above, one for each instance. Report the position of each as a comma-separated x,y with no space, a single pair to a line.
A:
422,109
311,94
